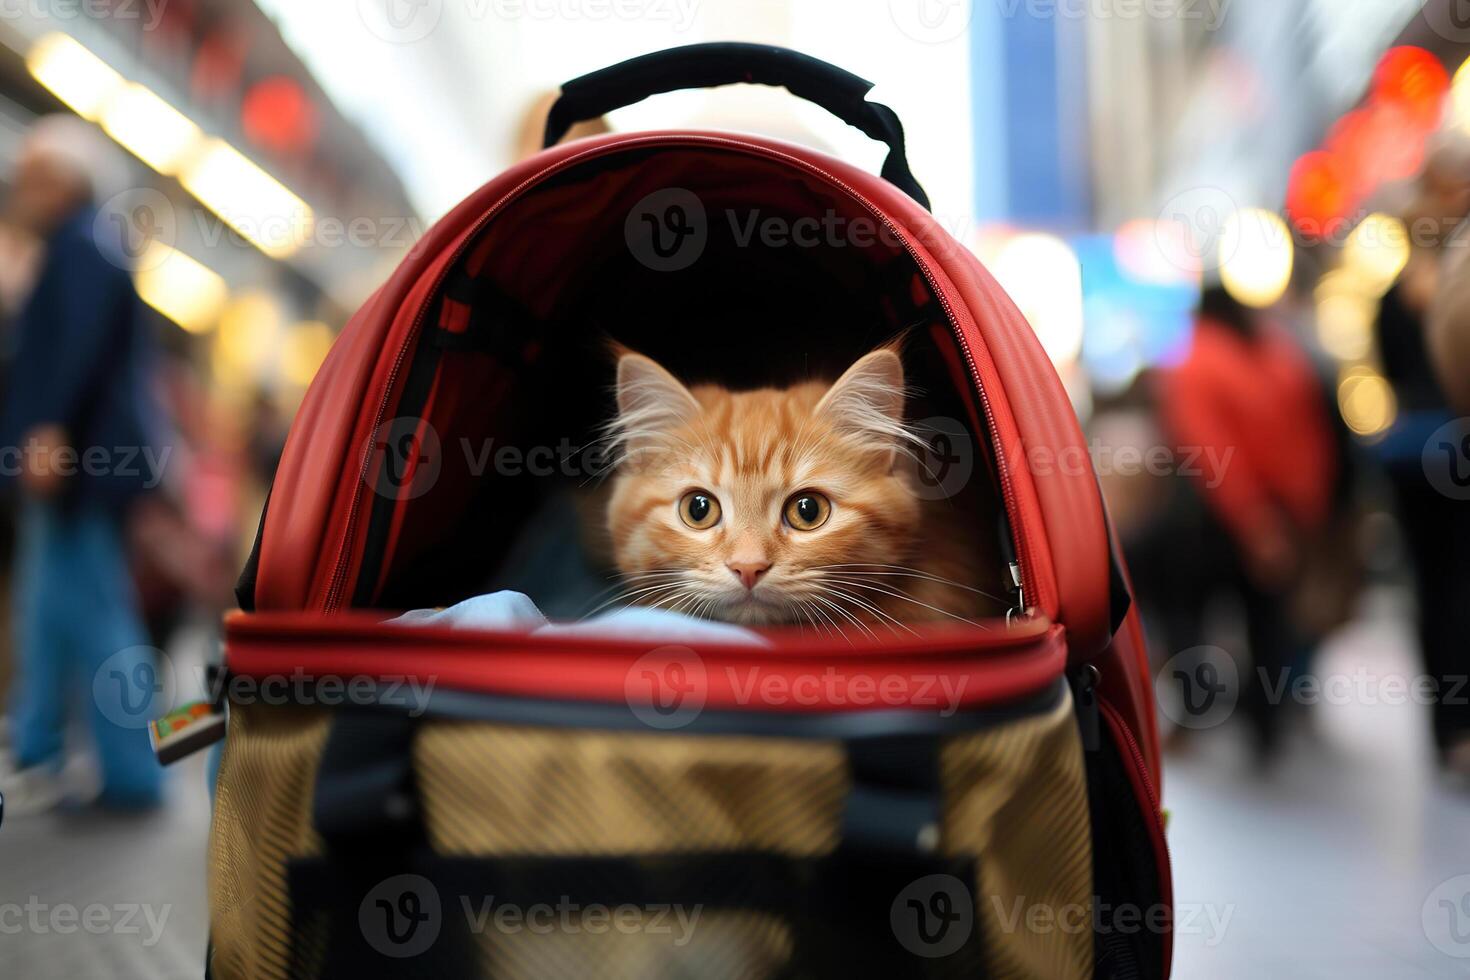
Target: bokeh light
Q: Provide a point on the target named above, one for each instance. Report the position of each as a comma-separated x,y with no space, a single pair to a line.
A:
151,129
73,74
303,350
1376,251
180,287
1366,401
1156,252
1256,254
1042,275
1460,98
249,334
277,114
1317,192
1412,79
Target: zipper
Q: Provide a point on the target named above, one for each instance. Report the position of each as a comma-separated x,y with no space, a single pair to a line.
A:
1021,569
1019,609
1090,709
1135,753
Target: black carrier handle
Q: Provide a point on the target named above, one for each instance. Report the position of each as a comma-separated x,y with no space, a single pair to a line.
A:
710,65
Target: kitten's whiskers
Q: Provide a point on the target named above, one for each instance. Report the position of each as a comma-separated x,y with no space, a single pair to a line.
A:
906,598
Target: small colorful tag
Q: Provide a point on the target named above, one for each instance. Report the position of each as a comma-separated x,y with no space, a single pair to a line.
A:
186,730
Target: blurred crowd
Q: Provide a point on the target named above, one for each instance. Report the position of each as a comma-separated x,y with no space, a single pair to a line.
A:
126,489
1261,541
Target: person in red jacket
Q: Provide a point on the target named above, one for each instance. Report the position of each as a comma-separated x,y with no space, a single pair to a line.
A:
1246,405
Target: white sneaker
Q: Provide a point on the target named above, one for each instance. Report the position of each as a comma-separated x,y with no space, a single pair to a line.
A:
33,790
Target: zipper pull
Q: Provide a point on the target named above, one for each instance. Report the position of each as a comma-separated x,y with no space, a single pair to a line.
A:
1084,693
1020,608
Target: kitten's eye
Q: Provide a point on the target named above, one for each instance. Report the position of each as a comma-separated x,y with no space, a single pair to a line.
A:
808,511
699,510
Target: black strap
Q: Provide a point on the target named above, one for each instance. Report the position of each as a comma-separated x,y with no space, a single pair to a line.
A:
365,792
1120,599
245,584
711,65
846,917
894,803
364,908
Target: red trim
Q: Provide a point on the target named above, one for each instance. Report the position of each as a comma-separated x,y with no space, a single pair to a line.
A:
972,669
1143,790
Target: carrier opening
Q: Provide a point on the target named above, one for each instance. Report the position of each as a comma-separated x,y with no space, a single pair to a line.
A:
722,265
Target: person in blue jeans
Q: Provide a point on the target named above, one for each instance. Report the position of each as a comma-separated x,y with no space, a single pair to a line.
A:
74,436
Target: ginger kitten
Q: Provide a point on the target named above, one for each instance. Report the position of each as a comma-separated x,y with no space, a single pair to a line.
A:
785,505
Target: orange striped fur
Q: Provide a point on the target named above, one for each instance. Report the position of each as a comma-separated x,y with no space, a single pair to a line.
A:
883,559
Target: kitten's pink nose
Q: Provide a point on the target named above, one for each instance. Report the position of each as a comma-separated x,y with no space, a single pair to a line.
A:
749,572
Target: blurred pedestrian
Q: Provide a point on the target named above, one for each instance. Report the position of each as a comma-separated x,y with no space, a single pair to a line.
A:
1246,406
1448,331
74,429
1435,523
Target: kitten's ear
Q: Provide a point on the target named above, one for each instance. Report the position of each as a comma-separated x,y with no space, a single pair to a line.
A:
867,401
651,402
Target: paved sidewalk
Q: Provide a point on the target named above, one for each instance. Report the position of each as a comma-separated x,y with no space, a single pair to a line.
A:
1328,866
85,894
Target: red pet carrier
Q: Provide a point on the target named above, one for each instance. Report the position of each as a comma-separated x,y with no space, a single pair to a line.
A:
400,800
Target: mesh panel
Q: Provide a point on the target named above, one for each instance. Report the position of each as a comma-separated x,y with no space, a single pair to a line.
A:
262,817
491,789
720,946
1014,798
1017,796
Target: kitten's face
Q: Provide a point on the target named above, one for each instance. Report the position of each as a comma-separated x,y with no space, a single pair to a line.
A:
736,505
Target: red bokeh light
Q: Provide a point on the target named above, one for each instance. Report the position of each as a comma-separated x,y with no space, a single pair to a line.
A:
277,114
1376,144
1318,192
1353,142
1413,80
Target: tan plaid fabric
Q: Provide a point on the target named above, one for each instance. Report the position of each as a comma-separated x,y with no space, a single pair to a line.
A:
1015,796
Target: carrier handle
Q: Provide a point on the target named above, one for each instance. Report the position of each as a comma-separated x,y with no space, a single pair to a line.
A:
718,63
